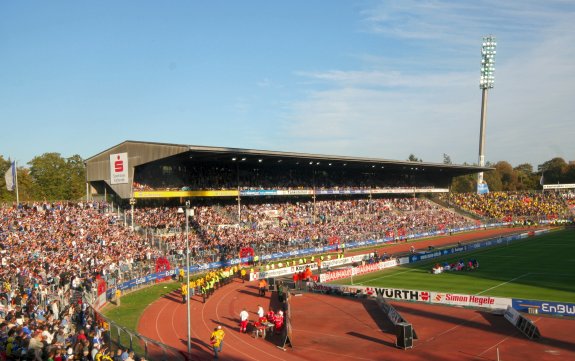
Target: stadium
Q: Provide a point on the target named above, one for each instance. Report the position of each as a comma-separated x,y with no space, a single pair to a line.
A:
365,258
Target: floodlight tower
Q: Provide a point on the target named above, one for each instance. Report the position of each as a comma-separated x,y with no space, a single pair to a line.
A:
486,82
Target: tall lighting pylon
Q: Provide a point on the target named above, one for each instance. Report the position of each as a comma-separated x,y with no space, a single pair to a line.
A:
486,82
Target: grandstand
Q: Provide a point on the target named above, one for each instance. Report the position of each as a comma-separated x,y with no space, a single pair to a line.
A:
156,170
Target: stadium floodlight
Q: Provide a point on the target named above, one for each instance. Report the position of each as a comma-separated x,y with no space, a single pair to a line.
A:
487,79
486,82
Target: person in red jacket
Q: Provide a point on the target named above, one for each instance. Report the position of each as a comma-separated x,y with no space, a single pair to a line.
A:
296,280
307,274
271,316
278,322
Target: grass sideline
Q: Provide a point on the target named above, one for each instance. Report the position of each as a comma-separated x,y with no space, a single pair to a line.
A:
537,268
133,304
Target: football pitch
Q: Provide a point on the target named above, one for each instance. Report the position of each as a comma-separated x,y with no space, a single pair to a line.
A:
536,268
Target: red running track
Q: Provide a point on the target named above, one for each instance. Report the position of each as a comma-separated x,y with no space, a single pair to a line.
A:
338,328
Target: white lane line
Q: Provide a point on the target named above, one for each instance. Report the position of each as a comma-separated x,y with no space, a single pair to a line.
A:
505,339
504,283
158,317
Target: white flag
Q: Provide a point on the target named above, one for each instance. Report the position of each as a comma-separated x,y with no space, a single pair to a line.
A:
10,177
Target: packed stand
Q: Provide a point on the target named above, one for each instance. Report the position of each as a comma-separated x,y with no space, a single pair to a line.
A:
65,243
511,206
38,325
215,233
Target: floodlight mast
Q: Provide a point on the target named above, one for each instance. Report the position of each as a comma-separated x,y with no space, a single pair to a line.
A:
486,82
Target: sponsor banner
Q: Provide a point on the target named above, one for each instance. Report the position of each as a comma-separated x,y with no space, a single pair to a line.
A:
119,168
425,296
347,273
336,262
335,275
302,267
403,260
404,295
313,266
178,194
342,191
409,190
559,186
455,299
283,271
546,308
258,192
469,247
295,192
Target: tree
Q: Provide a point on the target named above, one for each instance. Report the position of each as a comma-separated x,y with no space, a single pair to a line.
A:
77,173
464,183
57,178
553,170
507,176
446,159
413,158
569,176
493,180
526,179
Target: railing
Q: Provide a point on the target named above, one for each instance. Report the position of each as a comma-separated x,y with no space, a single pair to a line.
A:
118,336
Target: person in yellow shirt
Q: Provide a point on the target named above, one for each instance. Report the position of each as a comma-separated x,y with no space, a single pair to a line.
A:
184,292
217,340
192,290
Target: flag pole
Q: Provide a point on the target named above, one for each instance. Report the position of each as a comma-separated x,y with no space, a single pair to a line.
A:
16,181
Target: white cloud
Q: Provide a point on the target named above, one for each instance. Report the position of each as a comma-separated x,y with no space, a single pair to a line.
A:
391,110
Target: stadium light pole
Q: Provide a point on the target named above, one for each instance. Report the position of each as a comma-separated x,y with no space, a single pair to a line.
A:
486,82
132,203
188,270
187,214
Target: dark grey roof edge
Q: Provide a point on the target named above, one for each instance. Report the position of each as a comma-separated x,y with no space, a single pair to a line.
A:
135,142
224,150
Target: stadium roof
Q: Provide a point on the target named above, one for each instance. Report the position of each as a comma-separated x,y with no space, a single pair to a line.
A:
139,152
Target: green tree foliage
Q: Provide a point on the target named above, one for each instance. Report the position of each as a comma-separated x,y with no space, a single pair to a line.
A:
493,180
464,184
506,178
413,158
554,170
526,178
77,173
5,196
57,178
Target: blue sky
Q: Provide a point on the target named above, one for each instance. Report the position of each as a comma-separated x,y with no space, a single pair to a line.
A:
360,78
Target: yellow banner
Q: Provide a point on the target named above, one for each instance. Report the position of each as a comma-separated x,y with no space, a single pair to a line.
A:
178,194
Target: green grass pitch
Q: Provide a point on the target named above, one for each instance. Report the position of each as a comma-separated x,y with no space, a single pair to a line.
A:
537,268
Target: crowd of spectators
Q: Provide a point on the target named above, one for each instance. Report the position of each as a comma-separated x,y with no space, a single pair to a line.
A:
510,206
569,197
216,233
49,252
